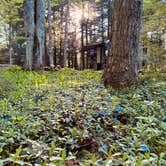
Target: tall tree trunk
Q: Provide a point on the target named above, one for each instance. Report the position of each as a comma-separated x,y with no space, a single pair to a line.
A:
34,16
39,49
102,21
29,25
50,48
46,56
10,43
82,38
86,32
82,45
66,33
122,65
109,17
60,56
55,45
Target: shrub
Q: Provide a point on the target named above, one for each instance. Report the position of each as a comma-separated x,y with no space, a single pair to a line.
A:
14,68
5,85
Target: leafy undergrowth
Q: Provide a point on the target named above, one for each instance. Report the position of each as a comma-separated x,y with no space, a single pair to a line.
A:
68,118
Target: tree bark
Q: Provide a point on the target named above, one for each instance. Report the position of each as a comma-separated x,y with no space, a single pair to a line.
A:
39,49
34,22
60,56
50,48
109,17
82,38
122,65
66,33
29,25
10,43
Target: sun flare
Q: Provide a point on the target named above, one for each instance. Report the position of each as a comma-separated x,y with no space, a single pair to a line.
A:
77,13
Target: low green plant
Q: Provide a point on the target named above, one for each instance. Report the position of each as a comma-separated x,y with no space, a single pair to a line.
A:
14,68
52,117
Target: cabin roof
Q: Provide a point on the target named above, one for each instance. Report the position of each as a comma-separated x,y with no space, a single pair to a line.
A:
92,46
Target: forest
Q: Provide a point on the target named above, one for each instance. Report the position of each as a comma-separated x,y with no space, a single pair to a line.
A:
82,82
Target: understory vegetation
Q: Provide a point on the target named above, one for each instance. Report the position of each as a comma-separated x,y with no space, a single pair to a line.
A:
65,116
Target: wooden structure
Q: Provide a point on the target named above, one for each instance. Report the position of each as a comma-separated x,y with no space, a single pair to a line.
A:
4,56
72,59
93,56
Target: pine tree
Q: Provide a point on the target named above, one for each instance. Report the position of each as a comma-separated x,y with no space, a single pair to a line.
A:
122,64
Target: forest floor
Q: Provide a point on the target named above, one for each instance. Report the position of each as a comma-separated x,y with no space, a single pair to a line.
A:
67,117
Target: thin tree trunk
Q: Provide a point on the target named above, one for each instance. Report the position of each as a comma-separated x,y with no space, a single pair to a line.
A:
122,65
46,56
109,18
55,49
82,45
75,60
86,32
102,22
66,33
82,37
50,48
10,44
60,57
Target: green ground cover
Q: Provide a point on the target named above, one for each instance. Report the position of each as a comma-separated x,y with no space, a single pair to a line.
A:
52,118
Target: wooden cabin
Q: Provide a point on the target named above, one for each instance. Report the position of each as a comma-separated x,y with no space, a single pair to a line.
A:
93,56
